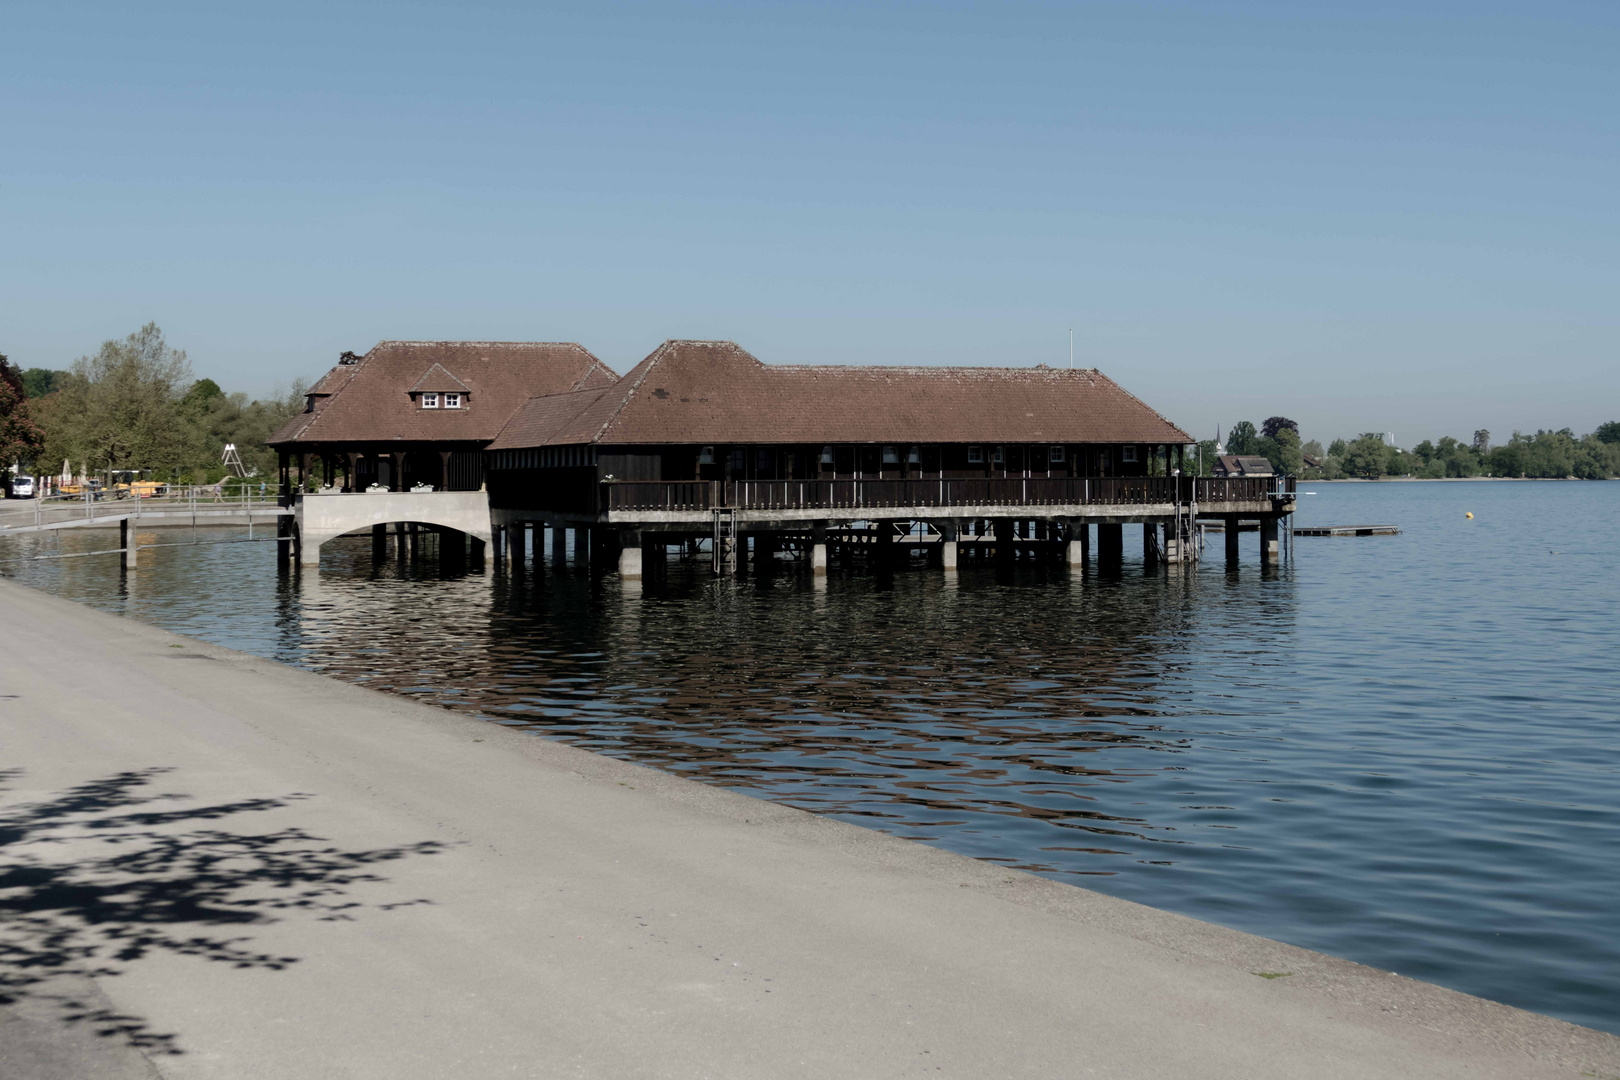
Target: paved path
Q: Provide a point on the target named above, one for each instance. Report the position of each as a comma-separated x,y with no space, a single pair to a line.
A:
330,882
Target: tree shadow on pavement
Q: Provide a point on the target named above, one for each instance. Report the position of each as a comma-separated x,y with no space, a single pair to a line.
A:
156,878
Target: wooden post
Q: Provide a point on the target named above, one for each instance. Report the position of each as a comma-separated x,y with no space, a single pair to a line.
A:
126,540
1150,543
559,547
379,543
1110,546
1231,539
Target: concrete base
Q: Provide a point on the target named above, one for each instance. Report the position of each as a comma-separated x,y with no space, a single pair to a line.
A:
947,555
630,562
818,559
1269,551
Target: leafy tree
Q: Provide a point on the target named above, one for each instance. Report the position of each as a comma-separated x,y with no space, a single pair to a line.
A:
1242,438
1275,424
1314,449
1285,454
119,407
20,438
1337,448
38,381
1608,433
1367,457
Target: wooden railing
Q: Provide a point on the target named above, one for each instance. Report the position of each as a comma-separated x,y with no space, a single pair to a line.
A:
694,495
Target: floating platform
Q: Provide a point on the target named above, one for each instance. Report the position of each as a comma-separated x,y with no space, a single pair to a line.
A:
1348,530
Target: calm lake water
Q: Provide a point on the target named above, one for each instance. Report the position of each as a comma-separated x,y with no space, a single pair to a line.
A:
1401,750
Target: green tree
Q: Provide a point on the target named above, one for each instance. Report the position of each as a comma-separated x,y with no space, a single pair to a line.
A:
1608,433
38,381
120,408
1337,448
1242,438
1367,457
1275,424
20,438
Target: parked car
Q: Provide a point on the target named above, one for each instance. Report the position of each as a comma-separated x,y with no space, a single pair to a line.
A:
22,487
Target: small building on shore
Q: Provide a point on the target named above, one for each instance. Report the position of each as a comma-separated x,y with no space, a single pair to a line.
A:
1235,465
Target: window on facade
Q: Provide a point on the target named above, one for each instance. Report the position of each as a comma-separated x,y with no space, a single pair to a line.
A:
998,455
1127,453
706,456
452,401
739,460
914,456
826,455
1057,454
975,455
430,401
891,455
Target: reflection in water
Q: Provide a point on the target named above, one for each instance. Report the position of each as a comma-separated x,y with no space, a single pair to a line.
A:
1384,752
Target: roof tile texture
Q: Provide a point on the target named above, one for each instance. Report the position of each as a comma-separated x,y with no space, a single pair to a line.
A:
716,392
370,401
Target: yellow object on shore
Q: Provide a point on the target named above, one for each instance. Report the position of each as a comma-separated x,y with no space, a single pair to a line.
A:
1469,515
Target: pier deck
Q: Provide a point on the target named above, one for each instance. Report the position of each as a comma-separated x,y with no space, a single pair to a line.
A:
416,893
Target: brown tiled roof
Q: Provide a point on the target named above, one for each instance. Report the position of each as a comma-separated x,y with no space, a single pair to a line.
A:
716,392
370,401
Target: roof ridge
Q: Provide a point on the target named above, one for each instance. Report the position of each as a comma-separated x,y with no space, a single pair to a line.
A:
652,360
485,344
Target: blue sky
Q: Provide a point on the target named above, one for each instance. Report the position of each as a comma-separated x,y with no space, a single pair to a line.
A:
1393,217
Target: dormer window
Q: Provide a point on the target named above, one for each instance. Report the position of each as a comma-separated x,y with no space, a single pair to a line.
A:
430,401
452,401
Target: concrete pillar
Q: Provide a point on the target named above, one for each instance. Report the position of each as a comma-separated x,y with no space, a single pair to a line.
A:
947,546
559,547
1150,543
818,549
379,543
497,537
765,551
1231,539
1269,552
630,554
885,542
126,540
1075,549
477,558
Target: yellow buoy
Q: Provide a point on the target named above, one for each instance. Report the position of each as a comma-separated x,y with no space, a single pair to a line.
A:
1469,515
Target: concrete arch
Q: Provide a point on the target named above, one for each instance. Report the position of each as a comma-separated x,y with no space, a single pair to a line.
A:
321,517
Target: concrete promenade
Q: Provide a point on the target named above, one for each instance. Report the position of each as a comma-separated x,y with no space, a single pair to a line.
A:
250,871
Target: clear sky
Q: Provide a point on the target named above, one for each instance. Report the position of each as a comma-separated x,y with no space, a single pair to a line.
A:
1366,216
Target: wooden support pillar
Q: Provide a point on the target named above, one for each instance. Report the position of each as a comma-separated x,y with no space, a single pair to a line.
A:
1110,546
379,543
559,547
765,545
1269,551
885,542
497,537
582,547
1005,540
1150,543
476,558
444,470
126,540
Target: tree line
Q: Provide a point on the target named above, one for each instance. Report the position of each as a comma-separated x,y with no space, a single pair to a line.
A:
134,404
1544,455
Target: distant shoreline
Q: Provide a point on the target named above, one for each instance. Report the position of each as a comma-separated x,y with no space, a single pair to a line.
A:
1455,480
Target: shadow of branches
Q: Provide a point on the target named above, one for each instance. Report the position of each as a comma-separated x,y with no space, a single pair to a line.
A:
160,878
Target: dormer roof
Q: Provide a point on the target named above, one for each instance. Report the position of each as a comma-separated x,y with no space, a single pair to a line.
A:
436,380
